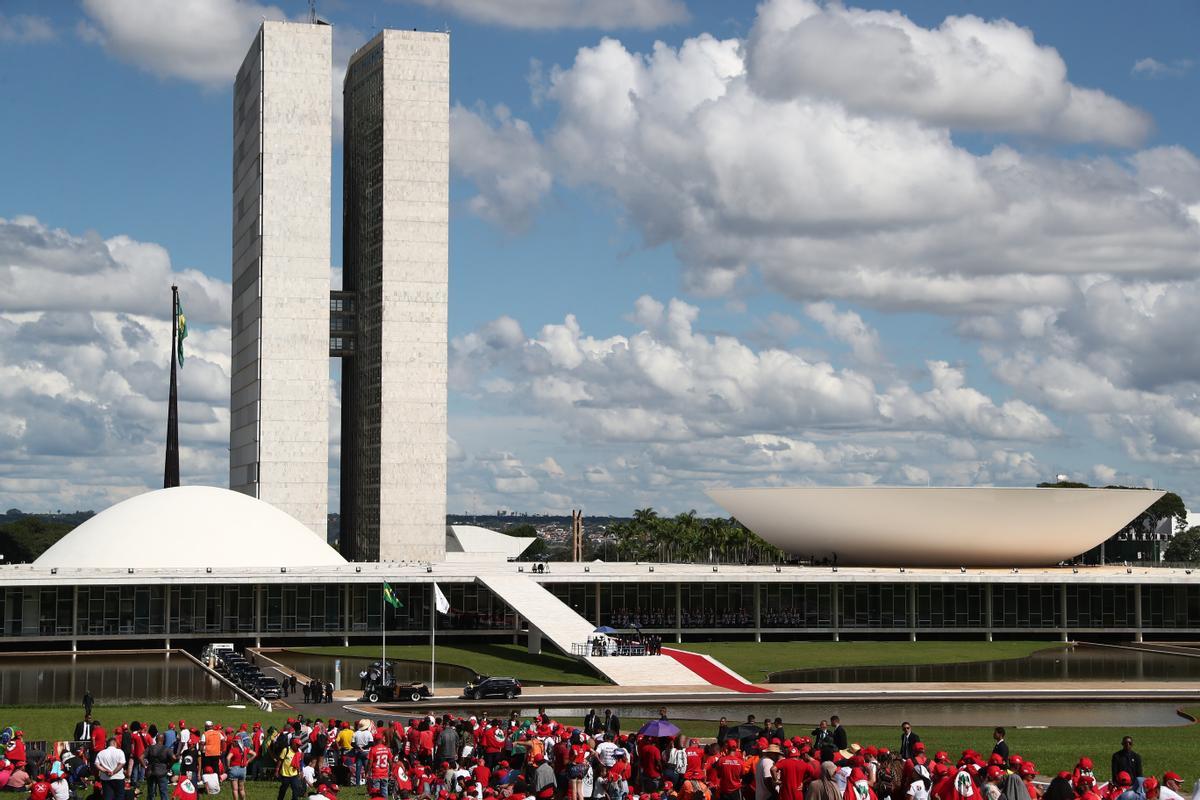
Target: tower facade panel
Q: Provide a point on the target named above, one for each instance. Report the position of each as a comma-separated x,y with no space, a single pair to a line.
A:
279,427
395,258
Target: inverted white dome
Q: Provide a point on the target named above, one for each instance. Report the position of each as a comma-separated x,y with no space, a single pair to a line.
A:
187,527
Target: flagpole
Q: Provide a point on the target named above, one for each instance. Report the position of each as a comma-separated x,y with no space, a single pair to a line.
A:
432,635
171,467
383,631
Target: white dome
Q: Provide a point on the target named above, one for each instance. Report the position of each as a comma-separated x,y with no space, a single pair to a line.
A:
188,527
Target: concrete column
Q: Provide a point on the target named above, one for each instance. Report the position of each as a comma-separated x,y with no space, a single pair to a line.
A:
836,599
1062,612
258,614
597,620
678,613
1137,618
516,628
758,612
987,605
535,641
74,624
167,613
346,614
910,599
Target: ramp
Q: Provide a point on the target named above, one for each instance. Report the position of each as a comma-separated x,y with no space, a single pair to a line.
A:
559,623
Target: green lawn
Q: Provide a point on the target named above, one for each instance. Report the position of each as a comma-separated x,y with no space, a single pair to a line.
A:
485,658
53,723
754,660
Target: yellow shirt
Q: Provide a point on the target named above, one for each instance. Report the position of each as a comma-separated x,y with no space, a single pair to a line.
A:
345,739
285,763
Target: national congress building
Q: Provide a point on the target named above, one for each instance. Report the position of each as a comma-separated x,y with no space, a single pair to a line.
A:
387,323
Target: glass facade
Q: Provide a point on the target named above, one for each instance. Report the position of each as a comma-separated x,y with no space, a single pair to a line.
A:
280,609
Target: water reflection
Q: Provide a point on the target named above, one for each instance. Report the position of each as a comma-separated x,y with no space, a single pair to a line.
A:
1078,663
112,679
325,667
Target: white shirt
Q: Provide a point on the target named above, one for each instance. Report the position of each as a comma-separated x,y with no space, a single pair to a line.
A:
212,784
363,739
607,753
185,735
918,791
763,785
62,789
111,760
310,775
1166,793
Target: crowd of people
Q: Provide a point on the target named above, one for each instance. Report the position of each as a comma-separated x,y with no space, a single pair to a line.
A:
447,757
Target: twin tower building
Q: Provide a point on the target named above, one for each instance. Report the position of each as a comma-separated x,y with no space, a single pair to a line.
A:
388,322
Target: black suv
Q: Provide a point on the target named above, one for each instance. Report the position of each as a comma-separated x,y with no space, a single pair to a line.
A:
484,686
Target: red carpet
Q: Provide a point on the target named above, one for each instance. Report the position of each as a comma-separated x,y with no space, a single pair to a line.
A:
711,672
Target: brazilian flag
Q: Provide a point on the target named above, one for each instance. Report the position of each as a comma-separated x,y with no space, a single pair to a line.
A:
181,328
389,596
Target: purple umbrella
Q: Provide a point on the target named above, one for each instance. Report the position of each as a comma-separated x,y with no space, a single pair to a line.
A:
658,727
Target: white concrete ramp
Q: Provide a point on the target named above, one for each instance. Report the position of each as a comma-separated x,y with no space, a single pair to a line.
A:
559,623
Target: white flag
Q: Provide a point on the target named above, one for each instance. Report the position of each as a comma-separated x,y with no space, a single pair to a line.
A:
439,600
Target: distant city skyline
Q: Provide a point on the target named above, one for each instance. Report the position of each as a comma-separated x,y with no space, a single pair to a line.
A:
691,245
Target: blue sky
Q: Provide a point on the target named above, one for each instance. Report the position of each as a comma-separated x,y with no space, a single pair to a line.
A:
799,244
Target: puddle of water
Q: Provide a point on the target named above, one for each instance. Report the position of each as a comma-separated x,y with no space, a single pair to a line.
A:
326,668
112,679
1080,663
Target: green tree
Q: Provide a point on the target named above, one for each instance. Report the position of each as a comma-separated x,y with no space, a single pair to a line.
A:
1184,546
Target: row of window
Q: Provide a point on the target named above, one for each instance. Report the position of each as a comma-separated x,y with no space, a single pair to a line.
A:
285,608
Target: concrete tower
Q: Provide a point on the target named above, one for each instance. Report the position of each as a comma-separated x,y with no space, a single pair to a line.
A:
395,268
279,400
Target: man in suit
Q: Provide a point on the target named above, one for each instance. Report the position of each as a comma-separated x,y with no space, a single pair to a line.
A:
908,738
1126,760
83,729
88,701
1000,748
591,723
613,726
840,739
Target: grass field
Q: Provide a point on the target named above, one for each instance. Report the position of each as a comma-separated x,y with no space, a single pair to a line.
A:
1052,748
486,658
754,660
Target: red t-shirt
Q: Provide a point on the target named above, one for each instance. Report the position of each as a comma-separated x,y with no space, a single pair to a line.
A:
98,740
579,754
39,791
379,761
483,775
619,771
650,760
237,754
792,772
695,764
562,754
730,767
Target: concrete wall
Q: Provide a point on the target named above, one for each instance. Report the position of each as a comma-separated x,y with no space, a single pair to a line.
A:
279,432
416,152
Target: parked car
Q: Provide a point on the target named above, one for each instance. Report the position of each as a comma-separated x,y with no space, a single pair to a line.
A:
267,688
485,686
376,693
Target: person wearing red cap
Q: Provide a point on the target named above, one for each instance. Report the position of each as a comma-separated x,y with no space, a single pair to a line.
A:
650,761
1171,787
730,768
379,766
791,773
1150,787
1027,773
1086,790
1082,767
